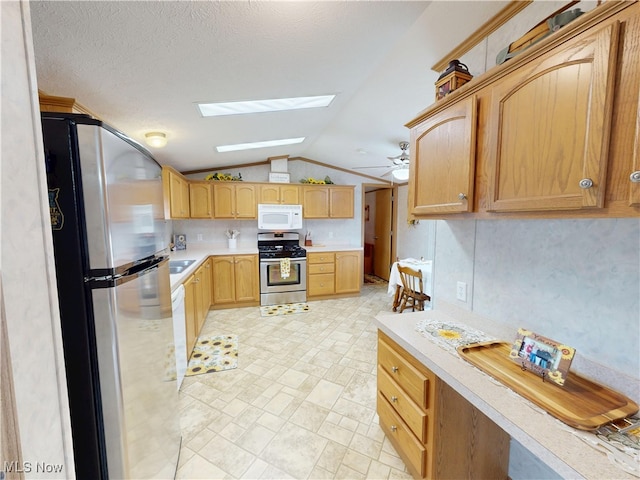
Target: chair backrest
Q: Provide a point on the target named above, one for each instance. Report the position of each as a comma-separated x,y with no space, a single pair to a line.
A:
411,279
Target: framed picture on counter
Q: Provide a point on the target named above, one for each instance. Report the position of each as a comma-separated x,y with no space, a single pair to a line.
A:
542,356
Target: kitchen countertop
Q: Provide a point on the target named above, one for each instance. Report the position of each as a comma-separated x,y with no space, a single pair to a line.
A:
332,248
554,443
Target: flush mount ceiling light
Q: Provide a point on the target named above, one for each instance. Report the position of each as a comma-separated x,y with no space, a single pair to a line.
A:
401,174
260,106
156,139
264,144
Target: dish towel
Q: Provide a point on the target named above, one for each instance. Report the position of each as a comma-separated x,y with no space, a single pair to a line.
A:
285,267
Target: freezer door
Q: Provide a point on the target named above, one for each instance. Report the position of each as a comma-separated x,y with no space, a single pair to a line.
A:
123,199
136,363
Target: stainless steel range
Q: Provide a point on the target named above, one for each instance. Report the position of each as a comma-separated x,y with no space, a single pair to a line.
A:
283,268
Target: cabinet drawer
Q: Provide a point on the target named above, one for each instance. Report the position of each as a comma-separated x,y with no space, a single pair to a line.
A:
325,257
414,416
411,451
322,284
321,268
410,379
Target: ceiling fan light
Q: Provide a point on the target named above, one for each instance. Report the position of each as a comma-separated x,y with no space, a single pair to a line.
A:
156,139
401,174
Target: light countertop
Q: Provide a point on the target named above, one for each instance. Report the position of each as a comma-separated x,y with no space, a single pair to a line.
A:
553,442
332,248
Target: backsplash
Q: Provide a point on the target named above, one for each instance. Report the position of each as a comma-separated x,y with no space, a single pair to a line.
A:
573,280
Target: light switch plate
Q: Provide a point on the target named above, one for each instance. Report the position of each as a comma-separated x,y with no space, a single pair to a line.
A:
461,291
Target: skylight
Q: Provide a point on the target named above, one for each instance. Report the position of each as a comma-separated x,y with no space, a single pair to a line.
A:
264,144
260,106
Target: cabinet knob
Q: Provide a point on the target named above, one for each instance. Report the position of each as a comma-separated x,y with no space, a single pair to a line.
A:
461,196
394,399
394,369
394,428
586,183
635,177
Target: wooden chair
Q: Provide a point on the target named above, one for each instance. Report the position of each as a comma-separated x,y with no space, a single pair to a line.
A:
412,290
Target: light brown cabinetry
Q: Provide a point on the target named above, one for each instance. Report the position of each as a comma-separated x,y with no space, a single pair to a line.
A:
197,291
234,200
321,277
348,272
549,128
436,431
319,201
200,199
444,155
555,130
280,194
176,194
333,273
235,280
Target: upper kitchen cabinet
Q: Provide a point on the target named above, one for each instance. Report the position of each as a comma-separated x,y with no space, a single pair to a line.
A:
176,194
284,194
441,177
234,200
324,201
551,133
550,123
201,199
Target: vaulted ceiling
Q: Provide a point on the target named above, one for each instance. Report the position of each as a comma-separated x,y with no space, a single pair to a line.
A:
142,66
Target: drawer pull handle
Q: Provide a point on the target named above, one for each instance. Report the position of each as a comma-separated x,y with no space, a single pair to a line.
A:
394,369
586,183
394,428
394,399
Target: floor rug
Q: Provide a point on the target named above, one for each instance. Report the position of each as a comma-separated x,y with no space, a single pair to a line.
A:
213,354
285,309
368,278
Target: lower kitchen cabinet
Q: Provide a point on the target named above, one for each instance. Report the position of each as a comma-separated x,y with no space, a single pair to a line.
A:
435,430
197,301
236,280
333,273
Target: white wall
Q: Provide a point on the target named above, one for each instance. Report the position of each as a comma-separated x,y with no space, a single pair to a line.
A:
28,276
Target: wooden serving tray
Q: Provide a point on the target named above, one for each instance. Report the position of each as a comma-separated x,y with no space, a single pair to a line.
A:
580,403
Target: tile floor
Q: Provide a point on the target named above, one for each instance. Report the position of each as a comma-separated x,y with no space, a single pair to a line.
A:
301,403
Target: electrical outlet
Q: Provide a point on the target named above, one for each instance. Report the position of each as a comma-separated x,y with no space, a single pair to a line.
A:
199,237
461,291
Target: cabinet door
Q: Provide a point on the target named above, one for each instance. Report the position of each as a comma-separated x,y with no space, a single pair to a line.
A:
269,194
290,194
223,279
443,156
190,313
315,202
247,279
348,272
207,284
246,201
550,126
341,202
200,200
178,196
223,200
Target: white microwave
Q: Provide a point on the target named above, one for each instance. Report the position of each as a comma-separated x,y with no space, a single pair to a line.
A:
279,217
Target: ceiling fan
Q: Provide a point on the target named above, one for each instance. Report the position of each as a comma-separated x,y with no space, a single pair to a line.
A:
400,162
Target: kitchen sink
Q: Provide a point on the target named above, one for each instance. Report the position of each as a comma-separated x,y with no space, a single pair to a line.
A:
179,266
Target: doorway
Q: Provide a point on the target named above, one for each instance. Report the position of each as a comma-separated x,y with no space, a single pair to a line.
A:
379,229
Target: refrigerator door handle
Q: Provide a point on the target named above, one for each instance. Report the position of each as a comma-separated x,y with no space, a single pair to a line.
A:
100,280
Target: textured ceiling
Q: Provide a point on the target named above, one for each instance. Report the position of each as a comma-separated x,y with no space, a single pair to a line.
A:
141,66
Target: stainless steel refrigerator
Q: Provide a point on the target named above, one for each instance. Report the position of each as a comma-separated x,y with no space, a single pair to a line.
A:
107,219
